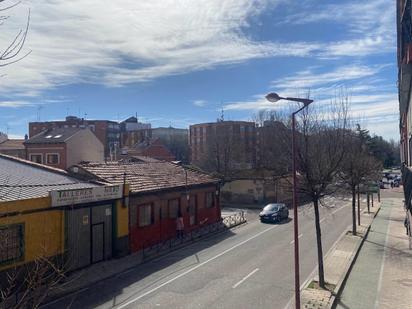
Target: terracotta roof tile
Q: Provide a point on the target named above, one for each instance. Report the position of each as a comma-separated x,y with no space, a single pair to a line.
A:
147,176
12,144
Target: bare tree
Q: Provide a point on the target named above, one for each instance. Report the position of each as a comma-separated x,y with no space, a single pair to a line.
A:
274,147
223,154
358,166
28,286
320,152
13,52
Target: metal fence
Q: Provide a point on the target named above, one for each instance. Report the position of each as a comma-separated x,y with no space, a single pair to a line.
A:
167,245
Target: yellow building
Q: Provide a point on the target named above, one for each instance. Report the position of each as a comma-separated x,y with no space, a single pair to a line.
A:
44,212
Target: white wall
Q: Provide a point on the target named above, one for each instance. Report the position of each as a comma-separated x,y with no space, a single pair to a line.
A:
84,146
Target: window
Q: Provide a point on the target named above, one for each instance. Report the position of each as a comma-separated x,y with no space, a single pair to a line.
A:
145,215
210,200
173,206
38,158
52,158
11,243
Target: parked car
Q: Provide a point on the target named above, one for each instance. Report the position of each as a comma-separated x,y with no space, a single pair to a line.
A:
396,182
274,212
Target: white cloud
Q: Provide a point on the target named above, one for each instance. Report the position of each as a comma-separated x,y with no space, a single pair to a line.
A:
371,26
199,103
310,78
371,101
15,104
129,41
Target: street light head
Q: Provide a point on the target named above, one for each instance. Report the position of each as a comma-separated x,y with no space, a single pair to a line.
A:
306,102
273,97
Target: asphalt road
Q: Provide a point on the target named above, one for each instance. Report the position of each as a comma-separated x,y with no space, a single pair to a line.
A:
248,267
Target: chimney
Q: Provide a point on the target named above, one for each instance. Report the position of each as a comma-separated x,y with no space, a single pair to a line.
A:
26,137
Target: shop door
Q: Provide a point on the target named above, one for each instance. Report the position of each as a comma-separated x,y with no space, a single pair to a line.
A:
77,238
101,233
97,242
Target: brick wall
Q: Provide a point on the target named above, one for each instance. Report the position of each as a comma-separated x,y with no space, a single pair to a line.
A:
44,149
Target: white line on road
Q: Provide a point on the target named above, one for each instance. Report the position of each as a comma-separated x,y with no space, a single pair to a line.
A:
245,278
298,237
332,213
193,268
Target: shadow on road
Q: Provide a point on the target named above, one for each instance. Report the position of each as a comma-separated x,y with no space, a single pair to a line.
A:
285,221
110,289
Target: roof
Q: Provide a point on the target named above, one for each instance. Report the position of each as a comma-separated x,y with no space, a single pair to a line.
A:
225,123
147,176
12,144
144,159
53,136
155,149
21,179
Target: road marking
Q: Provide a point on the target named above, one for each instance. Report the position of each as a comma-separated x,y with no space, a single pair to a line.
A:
298,238
244,279
193,268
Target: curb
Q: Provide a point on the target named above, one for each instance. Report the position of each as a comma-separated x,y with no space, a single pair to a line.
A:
339,287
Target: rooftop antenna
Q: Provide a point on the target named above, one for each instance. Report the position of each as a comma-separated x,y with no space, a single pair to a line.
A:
222,115
39,108
7,129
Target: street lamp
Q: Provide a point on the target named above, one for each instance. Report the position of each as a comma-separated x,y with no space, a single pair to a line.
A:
274,97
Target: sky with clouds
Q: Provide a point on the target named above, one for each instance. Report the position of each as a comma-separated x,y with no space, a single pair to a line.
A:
179,62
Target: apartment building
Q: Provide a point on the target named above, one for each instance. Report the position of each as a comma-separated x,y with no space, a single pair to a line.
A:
107,131
223,141
404,32
64,147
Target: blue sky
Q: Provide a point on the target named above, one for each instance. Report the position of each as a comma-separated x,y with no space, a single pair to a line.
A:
182,62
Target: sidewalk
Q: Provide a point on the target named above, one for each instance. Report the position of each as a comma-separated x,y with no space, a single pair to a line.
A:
337,263
382,274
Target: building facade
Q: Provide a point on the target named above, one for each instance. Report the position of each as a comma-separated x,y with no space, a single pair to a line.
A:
64,147
133,124
158,192
45,213
404,34
168,134
108,132
223,143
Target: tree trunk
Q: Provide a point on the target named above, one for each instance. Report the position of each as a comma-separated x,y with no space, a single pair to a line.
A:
353,210
319,245
358,206
368,201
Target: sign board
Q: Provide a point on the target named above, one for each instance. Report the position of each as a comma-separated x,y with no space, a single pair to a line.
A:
85,195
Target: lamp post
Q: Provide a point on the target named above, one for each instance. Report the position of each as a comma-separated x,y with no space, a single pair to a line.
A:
274,97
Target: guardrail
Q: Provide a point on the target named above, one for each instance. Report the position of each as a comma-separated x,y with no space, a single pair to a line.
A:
172,243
